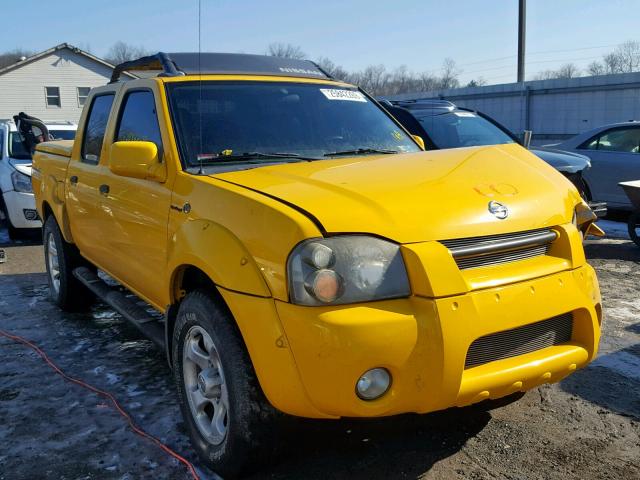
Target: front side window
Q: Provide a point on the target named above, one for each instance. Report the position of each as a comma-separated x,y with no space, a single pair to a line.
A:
83,93
52,97
231,119
139,120
626,140
461,129
95,128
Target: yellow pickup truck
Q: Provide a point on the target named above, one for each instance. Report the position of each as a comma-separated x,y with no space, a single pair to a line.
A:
307,255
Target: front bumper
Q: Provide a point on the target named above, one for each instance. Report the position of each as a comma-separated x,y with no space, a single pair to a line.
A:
19,206
423,342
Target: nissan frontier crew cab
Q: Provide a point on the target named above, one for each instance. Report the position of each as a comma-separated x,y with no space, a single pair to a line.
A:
308,257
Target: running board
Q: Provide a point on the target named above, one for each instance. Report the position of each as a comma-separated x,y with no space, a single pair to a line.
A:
131,311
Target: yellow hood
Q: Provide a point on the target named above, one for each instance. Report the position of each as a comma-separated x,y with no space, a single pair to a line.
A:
423,196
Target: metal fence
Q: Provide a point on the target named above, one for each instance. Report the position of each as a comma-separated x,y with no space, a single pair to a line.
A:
553,109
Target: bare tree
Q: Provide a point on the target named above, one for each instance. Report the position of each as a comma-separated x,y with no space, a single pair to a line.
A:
450,73
568,70
628,55
373,79
336,71
612,63
545,75
285,50
123,52
596,68
13,56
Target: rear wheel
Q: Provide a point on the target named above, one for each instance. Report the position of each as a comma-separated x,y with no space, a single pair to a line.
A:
633,224
227,416
61,259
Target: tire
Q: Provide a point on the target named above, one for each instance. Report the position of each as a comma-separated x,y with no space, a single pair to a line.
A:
633,225
241,438
61,258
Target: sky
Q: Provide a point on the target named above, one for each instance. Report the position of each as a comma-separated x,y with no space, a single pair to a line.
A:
481,35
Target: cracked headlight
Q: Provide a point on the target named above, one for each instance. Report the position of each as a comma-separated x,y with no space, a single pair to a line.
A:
21,182
346,269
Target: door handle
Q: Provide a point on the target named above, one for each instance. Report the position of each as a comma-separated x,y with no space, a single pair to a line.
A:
73,179
104,189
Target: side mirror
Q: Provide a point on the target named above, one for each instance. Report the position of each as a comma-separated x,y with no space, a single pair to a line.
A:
137,159
418,139
526,138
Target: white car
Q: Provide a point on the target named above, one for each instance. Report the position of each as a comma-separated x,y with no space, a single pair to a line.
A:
17,204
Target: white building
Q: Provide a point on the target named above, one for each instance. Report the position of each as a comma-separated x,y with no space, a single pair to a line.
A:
51,85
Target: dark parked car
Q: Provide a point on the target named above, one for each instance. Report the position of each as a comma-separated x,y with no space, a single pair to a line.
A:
442,124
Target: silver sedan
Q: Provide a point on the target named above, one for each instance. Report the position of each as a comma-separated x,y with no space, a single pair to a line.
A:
614,151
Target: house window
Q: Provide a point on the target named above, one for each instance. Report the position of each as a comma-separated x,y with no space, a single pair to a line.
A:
83,93
52,95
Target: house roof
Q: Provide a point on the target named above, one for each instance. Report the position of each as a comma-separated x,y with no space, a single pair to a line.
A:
62,46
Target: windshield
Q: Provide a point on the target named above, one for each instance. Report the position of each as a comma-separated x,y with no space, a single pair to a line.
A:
461,129
306,120
17,150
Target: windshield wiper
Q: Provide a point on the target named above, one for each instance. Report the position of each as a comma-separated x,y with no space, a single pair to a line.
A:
253,155
360,151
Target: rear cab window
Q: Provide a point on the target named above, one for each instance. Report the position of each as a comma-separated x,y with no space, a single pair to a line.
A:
95,127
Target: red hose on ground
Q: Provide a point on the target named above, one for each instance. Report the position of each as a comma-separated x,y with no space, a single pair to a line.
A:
106,395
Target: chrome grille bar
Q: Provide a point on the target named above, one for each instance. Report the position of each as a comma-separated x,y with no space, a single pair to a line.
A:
502,248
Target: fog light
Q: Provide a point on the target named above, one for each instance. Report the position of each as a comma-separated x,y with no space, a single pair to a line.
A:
373,384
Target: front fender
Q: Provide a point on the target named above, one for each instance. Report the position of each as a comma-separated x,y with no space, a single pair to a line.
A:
217,252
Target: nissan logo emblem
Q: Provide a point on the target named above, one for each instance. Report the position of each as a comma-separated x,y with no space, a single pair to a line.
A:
499,210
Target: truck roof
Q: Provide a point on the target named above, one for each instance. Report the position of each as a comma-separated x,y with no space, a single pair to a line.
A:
178,64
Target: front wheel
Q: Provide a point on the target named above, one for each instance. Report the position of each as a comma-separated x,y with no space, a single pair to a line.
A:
227,416
61,259
633,225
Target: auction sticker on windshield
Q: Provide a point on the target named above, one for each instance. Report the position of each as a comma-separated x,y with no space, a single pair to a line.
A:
348,95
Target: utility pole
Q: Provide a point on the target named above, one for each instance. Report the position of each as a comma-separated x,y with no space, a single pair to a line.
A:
522,32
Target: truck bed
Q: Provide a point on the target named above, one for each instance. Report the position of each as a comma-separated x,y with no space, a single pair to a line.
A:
58,147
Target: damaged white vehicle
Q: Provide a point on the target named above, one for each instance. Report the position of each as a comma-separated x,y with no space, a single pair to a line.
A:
17,204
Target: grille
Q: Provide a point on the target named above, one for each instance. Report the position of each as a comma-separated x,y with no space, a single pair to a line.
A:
497,249
520,340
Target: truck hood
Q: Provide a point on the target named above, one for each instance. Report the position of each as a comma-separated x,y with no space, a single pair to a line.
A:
561,160
23,166
423,196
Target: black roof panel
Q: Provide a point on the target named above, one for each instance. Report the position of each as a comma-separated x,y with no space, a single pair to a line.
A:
173,64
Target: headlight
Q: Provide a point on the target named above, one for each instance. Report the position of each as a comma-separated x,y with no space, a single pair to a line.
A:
346,269
583,218
21,182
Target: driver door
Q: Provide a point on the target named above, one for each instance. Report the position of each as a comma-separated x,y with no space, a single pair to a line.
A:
136,211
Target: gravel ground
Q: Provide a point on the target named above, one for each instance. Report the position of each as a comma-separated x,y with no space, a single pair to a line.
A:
586,427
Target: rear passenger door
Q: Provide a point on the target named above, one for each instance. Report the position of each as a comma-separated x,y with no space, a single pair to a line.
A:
136,211
615,157
84,175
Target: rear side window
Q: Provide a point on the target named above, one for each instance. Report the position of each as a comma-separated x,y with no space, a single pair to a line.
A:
625,140
96,127
1,143
139,120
